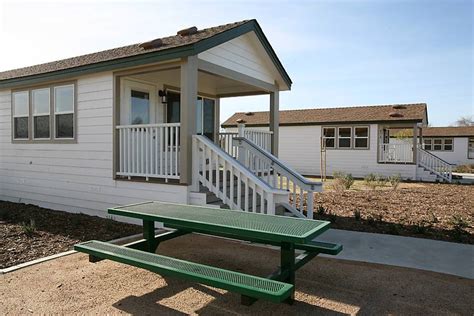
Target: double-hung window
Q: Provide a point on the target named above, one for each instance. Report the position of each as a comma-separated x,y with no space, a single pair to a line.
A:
21,112
344,137
470,148
427,143
438,144
329,137
41,113
64,111
361,137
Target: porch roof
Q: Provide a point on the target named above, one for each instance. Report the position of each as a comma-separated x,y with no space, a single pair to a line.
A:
170,47
345,115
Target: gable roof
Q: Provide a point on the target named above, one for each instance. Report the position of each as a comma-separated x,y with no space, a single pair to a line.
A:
175,46
451,131
357,114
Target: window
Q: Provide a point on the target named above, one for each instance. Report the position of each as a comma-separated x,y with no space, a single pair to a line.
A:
64,111
427,144
140,107
344,135
329,137
470,149
21,110
41,109
361,137
438,144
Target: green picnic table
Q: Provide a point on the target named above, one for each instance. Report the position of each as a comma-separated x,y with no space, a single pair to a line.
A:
287,233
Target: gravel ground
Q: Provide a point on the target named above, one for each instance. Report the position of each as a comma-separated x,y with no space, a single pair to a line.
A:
435,211
53,232
72,285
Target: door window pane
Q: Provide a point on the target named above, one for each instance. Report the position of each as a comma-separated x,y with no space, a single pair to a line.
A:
199,127
20,100
140,103
208,118
41,124
64,99
21,127
173,108
65,126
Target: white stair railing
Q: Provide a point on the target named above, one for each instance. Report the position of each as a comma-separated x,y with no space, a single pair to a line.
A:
396,153
230,181
278,175
261,138
149,150
435,164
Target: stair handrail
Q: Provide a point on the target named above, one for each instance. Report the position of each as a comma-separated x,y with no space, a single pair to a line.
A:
207,156
446,167
274,171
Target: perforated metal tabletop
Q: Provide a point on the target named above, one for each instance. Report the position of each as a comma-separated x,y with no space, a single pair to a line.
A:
237,223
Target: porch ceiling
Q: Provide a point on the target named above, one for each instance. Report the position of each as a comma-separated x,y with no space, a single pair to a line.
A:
208,84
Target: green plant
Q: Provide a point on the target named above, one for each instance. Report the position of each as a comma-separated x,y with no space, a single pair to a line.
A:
342,181
371,220
29,229
381,180
422,227
357,215
321,210
394,229
459,222
395,180
371,181
332,217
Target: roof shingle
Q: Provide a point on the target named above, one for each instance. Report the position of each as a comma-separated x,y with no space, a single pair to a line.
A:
117,53
375,113
452,131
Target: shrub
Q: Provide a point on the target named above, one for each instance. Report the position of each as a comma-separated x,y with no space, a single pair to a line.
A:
394,180
459,222
342,181
381,180
321,210
29,229
357,215
371,181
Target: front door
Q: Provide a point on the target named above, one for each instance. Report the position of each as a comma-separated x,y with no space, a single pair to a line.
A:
139,104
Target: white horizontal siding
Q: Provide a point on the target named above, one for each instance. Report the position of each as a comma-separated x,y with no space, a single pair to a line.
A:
459,154
74,177
241,55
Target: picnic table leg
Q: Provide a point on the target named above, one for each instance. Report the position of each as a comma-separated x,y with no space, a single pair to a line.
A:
288,267
149,235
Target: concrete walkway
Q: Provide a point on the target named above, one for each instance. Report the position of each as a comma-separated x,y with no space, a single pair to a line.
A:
418,253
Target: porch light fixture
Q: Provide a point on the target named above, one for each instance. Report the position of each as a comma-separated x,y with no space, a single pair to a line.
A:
163,96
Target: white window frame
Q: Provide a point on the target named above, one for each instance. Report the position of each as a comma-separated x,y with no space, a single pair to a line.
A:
365,137
430,144
350,137
334,137
443,143
65,112
40,114
21,116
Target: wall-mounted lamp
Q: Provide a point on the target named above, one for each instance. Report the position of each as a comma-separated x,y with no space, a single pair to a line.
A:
163,96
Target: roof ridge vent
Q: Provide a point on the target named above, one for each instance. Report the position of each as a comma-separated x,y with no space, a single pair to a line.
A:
189,31
152,44
399,106
395,114
249,113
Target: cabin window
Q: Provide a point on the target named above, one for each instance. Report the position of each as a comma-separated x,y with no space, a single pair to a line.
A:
438,144
21,110
41,113
344,137
64,111
470,149
329,137
361,137
140,107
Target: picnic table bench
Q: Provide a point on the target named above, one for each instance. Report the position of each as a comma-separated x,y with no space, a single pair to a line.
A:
290,234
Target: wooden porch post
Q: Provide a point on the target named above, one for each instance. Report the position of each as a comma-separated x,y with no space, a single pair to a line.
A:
415,146
189,78
275,120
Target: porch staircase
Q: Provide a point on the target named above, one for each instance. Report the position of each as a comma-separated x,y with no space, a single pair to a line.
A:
431,168
254,181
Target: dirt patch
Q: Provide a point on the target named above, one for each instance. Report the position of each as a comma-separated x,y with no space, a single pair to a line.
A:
436,211
29,232
72,285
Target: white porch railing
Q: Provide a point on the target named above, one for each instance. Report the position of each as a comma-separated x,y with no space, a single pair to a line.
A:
396,153
230,181
261,138
278,175
149,150
434,164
